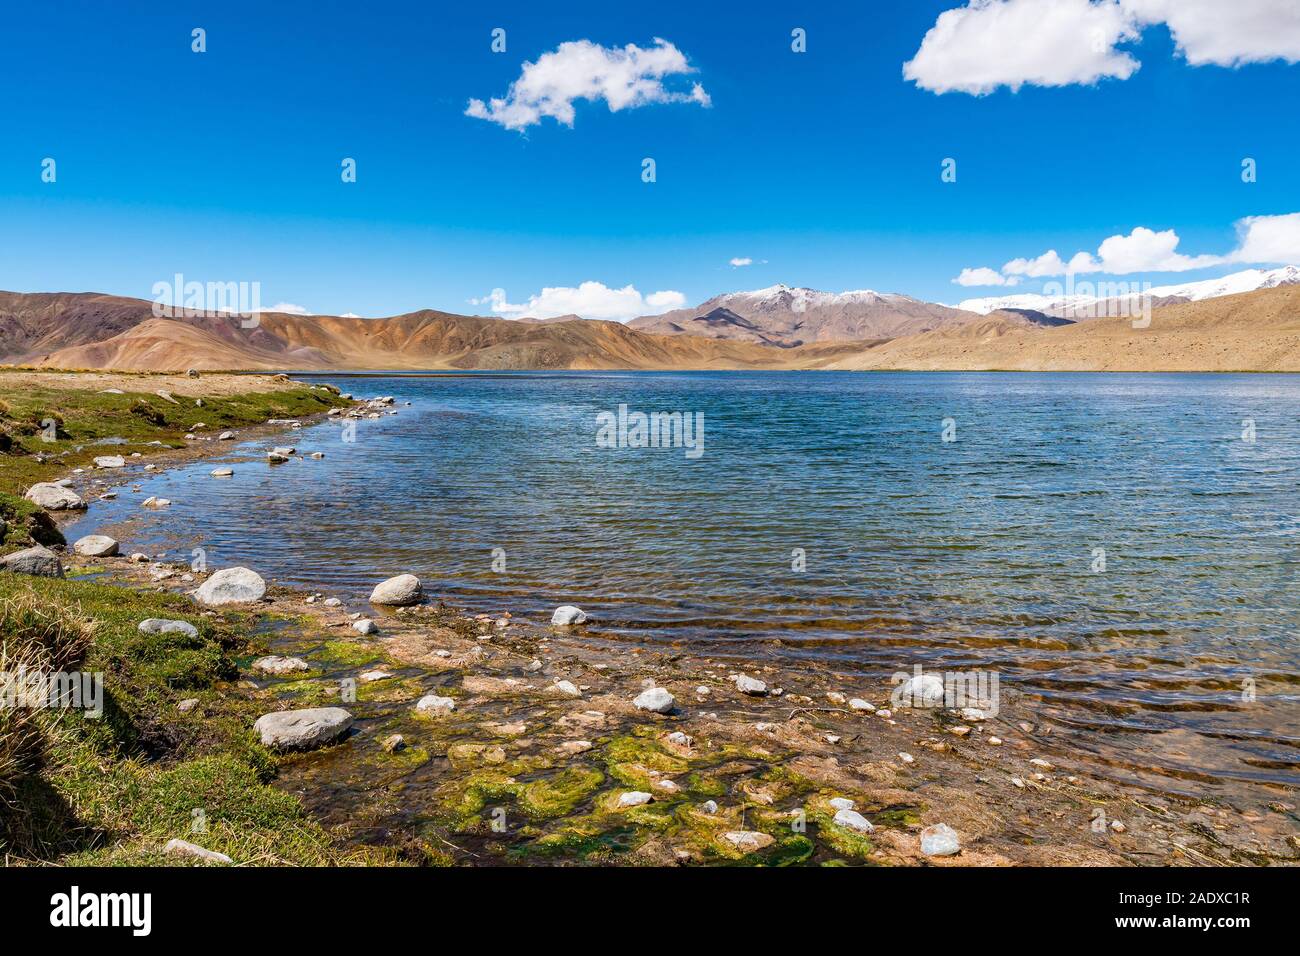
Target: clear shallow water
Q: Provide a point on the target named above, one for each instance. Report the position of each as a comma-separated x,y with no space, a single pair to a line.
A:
977,553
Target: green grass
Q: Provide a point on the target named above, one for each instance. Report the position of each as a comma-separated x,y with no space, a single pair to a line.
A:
113,790
46,432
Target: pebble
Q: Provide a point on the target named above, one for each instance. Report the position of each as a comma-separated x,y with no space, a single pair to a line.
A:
567,614
188,704
906,757
940,840
857,703
394,743
275,664
995,741
182,848
434,705
709,806
852,820
634,798
566,688
842,803
656,699
750,685
959,731
370,677
748,841
365,626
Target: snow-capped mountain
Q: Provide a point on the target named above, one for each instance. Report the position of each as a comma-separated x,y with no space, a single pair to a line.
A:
788,316
1248,280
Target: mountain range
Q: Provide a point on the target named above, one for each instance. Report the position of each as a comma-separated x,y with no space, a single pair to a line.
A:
1247,321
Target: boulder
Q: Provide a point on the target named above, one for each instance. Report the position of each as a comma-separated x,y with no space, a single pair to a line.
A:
567,614
655,699
302,729
160,625
400,591
432,705
38,561
96,546
232,586
110,461
52,496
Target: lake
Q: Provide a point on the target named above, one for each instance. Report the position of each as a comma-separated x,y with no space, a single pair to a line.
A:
1120,547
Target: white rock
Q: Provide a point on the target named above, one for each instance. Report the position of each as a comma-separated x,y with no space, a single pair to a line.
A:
332,602
974,714
370,677
302,729
226,436
274,664
750,685
679,739
222,472
110,461
54,497
365,626
634,798
566,688
400,591
709,806
655,699
182,848
96,546
155,502
159,625
923,690
940,840
842,803
857,703
906,757
231,586
748,841
852,820
434,706
567,614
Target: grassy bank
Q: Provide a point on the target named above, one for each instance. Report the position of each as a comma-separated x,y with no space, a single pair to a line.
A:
113,789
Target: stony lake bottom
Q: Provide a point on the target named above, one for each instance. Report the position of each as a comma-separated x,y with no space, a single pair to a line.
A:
1122,547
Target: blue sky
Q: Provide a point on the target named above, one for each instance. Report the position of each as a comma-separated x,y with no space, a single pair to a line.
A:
823,167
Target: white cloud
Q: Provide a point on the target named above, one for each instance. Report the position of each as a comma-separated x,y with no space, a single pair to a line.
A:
993,43
1226,33
1268,239
1262,240
590,300
349,315
981,276
624,77
740,261
289,308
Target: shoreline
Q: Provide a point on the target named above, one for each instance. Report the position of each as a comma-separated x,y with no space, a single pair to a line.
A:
544,733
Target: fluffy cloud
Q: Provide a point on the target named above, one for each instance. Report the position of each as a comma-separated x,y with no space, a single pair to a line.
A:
1226,33
1269,239
981,276
992,43
624,77
591,300
742,261
1261,240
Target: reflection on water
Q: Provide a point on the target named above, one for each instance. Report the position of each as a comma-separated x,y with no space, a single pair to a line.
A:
981,552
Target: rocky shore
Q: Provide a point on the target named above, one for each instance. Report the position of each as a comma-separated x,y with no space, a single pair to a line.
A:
405,725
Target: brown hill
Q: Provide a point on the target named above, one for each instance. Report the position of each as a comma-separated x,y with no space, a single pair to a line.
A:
426,340
789,317
1255,331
